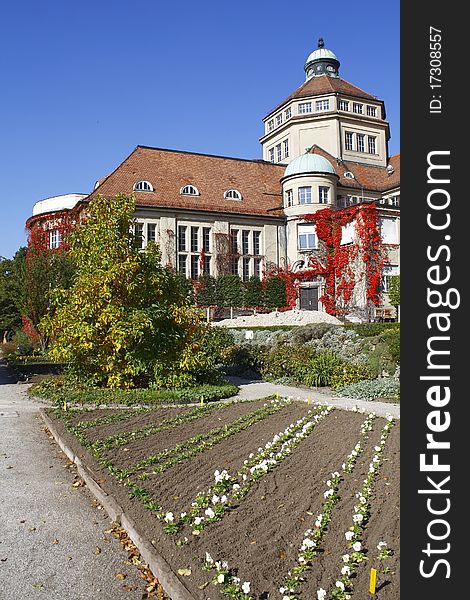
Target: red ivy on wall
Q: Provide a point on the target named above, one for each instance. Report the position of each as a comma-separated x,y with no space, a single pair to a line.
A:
337,269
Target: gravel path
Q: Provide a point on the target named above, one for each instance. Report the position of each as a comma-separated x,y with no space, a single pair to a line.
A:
254,389
53,543
288,317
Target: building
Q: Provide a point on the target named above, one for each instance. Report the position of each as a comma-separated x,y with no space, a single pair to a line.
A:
325,154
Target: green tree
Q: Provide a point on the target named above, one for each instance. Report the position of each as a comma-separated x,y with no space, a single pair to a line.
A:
124,322
230,291
275,291
394,291
12,292
254,292
206,290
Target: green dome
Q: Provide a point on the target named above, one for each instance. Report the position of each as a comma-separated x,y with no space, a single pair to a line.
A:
320,54
309,163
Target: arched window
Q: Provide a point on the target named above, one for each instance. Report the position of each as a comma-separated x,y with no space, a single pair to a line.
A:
143,186
232,195
189,190
349,175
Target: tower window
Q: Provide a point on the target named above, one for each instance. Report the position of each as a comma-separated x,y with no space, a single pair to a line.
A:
323,194
372,111
305,107
357,108
279,119
271,154
189,190
322,105
348,139
233,194
360,142
143,186
305,195
306,237
286,148
288,113
289,198
55,239
271,125
372,146
278,153
343,105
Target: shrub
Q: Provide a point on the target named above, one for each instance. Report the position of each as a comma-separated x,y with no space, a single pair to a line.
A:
371,329
371,389
275,292
286,361
349,373
312,331
219,345
254,293
229,291
206,290
321,369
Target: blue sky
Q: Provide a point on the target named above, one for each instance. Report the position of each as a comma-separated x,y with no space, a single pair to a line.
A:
83,83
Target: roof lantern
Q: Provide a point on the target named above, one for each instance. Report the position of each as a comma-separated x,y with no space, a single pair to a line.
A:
321,62
309,163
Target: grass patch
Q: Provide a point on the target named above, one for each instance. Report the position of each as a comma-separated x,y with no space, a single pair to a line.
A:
59,392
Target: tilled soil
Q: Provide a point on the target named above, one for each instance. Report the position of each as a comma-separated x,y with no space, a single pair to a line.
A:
261,535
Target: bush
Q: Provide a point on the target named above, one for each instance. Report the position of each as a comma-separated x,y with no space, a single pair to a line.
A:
392,338
275,292
349,373
312,331
372,329
58,391
371,389
206,290
321,369
286,361
254,293
219,345
229,291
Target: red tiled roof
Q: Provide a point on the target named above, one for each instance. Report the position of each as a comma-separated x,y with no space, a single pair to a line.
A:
169,170
367,177
325,84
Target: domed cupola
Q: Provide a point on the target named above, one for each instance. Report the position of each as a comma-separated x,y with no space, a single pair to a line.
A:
321,62
309,163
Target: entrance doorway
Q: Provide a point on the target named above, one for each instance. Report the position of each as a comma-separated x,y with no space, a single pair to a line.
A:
309,298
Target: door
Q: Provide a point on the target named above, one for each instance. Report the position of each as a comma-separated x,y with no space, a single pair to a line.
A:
309,298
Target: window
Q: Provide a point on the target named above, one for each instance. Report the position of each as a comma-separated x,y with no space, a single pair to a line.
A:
279,120
232,195
151,232
371,143
360,142
207,265
305,107
194,239
322,105
371,111
357,108
323,194
394,201
288,113
349,175
256,242
245,242
246,269
307,239
182,259
347,233
278,153
305,195
189,190
234,251
271,154
182,238
206,238
271,125
289,198
286,148
234,241
257,268
139,235
143,186
388,231
55,239
387,272
343,105
348,140
194,266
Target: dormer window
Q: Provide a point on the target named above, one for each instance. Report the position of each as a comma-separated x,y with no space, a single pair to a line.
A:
143,186
232,195
189,190
349,175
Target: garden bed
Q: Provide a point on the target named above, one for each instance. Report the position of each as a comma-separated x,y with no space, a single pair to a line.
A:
287,463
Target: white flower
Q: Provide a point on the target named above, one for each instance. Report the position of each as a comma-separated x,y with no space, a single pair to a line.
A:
377,448
246,587
236,580
223,499
236,486
215,499
209,512
282,590
381,545
308,543
183,514
169,517
220,578
345,570
198,520
340,585
345,558
358,518
321,594
209,558
357,546
328,493
349,535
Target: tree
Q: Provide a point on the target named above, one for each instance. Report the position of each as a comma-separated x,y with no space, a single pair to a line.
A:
12,292
394,291
254,293
124,321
